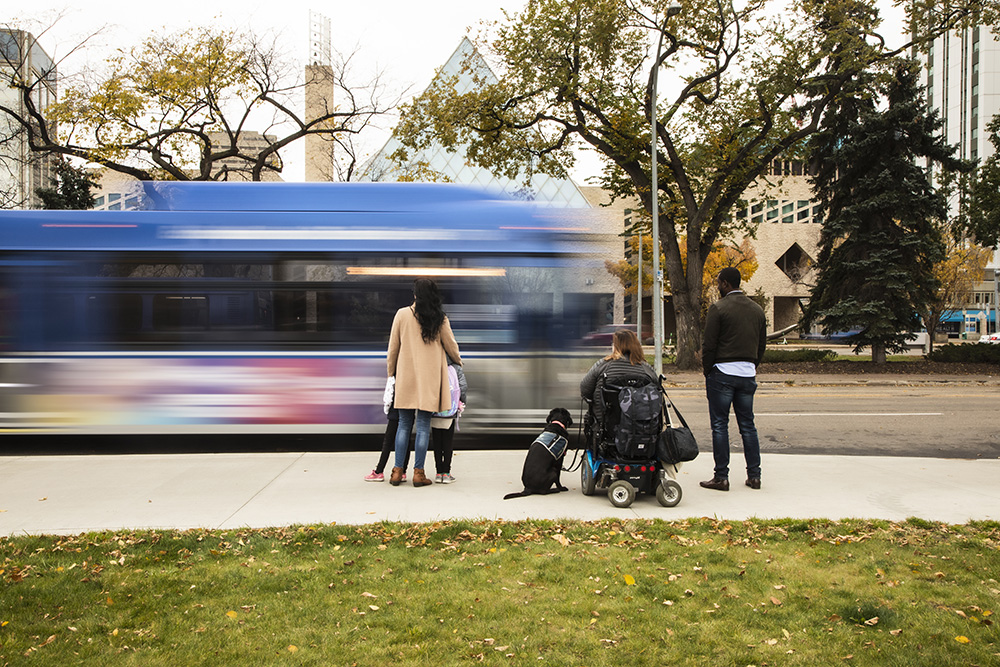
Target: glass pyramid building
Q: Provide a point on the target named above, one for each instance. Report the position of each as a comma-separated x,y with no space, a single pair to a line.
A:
441,164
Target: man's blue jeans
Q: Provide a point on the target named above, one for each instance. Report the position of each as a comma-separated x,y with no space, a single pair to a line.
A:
422,440
731,390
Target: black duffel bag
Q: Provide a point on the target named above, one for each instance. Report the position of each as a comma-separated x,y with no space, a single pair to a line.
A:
677,443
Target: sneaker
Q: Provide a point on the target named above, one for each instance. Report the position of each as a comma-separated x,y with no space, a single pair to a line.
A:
437,478
403,478
375,477
446,478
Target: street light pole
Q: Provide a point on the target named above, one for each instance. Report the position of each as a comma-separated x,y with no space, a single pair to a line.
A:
638,313
996,302
672,9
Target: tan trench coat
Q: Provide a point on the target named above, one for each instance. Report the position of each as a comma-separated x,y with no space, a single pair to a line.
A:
421,369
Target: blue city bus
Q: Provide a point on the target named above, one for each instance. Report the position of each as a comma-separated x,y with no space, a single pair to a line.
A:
235,308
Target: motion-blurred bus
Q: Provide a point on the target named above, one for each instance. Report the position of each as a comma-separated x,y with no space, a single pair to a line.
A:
266,308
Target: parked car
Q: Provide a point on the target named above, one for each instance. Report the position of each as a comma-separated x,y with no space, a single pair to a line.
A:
991,338
835,337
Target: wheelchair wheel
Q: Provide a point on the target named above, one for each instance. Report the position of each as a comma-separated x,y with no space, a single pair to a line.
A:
587,482
621,493
668,493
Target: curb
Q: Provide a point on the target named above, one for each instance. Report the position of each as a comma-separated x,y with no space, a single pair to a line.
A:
813,380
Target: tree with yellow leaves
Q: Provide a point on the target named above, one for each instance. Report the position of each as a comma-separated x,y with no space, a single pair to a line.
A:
956,274
156,111
729,253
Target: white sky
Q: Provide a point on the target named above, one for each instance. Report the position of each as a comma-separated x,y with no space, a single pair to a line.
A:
406,40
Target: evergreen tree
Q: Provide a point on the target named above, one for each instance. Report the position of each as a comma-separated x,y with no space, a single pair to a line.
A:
982,220
881,235
72,189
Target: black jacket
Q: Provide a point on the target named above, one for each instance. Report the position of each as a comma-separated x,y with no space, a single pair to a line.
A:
735,330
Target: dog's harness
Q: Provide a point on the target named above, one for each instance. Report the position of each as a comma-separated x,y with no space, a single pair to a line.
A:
553,442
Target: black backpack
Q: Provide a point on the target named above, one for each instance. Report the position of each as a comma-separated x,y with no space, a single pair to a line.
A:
640,422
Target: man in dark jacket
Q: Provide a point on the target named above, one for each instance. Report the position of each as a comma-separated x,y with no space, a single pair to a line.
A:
733,347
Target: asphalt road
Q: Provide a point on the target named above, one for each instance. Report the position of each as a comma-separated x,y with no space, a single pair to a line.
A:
944,421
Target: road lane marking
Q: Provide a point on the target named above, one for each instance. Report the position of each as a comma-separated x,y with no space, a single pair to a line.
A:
848,414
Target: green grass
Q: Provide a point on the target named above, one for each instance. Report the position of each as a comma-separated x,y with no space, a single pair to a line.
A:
891,358
527,593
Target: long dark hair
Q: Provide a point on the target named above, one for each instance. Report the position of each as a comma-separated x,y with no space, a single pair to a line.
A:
625,345
427,306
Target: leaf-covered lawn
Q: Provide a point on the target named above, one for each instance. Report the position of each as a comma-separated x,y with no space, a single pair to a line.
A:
535,592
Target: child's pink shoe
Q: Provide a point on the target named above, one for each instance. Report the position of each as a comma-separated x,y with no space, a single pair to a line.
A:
375,477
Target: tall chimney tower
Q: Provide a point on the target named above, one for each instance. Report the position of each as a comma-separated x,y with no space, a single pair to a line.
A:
319,149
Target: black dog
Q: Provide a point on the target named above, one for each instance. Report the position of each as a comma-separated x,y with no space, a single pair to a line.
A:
543,464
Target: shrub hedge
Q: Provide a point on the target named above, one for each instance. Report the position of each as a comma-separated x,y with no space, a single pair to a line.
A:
806,354
968,353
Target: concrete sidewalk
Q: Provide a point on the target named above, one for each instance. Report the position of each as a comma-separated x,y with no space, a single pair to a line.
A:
74,494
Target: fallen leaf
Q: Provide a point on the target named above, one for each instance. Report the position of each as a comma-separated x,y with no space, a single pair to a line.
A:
629,580
292,648
872,621
962,639
41,499
775,601
366,594
231,614
895,633
561,539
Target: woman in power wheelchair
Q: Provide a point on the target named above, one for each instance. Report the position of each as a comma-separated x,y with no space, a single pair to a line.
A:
622,427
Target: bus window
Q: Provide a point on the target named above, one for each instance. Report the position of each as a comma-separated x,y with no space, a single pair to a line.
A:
172,311
7,312
113,317
290,311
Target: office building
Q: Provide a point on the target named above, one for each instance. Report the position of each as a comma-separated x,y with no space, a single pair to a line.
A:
22,59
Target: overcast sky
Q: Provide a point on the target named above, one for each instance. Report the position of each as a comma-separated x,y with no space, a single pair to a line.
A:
404,39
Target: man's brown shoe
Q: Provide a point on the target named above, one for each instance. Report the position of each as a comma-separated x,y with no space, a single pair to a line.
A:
753,482
717,484
419,478
396,477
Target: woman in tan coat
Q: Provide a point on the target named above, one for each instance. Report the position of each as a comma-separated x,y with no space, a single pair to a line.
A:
420,343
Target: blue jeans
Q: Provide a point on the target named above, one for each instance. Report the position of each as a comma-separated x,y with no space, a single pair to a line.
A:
423,439
731,390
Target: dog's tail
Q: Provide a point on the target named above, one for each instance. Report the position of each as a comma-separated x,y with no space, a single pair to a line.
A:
520,494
